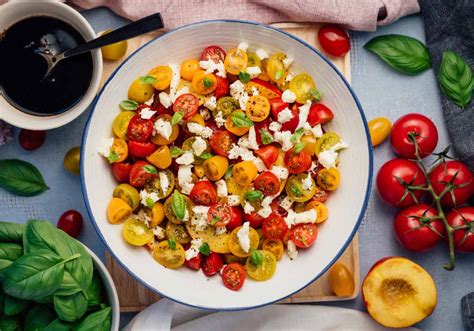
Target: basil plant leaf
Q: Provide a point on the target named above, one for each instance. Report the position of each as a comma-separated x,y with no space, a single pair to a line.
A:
21,178
455,79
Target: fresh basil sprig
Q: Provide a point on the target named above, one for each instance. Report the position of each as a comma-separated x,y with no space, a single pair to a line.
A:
267,138
244,77
404,54
256,257
253,195
178,205
241,120
147,79
177,117
176,151
128,105
205,249
455,79
21,178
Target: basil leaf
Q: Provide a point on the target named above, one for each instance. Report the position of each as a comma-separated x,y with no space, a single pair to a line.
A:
113,157
253,195
215,219
58,325
172,243
11,323
298,148
11,232
207,82
100,320
128,105
13,306
315,94
9,252
205,249
150,169
240,119
228,172
147,79
70,308
455,79
178,205
404,54
244,77
21,178
256,257
297,135
267,138
94,291
176,151
295,190
279,74
177,117
38,317
205,155
69,286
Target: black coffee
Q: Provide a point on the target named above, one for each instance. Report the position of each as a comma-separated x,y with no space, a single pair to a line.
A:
22,69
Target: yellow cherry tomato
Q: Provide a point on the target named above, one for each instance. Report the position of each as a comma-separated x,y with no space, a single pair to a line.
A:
325,142
274,246
198,170
303,87
118,151
231,127
72,160
127,193
198,119
257,108
215,167
120,124
276,69
233,187
379,129
321,210
114,51
163,75
157,214
161,158
341,280
155,185
309,144
296,192
189,68
244,172
140,91
253,60
235,61
158,139
169,257
118,211
178,232
169,212
234,243
204,83
136,233
329,179
263,271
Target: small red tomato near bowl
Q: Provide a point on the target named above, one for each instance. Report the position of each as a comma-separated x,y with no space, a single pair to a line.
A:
334,40
212,264
30,140
71,222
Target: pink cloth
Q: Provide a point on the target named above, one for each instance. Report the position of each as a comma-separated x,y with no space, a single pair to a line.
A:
354,14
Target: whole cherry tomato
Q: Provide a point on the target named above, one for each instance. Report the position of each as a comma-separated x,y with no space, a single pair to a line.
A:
71,223
463,238
203,193
274,227
319,114
221,142
421,127
267,182
222,87
268,154
121,171
141,173
415,231
219,215
212,264
141,149
388,182
214,53
457,173
379,129
236,219
254,219
139,129
334,40
195,262
297,162
31,140
233,276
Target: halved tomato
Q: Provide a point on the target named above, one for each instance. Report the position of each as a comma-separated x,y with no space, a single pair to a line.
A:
268,154
254,219
203,193
141,149
297,162
264,88
139,129
319,114
233,276
187,104
214,53
219,215
274,227
277,105
267,182
236,219
141,173
221,142
222,87
304,235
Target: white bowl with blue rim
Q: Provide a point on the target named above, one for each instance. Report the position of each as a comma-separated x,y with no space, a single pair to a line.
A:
346,206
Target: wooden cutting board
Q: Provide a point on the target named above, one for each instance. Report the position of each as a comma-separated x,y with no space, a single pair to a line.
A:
135,297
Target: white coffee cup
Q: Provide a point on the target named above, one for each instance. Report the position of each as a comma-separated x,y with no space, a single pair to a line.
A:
15,11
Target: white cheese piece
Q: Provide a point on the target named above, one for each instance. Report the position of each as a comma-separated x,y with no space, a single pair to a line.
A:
314,167
287,62
146,197
221,188
210,66
292,251
159,232
175,79
286,203
244,237
186,215
303,115
259,164
284,138
285,115
243,46
200,130
165,99
233,200
262,54
274,126
185,179
143,217
193,251
253,71
328,157
147,113
199,146
150,101
238,92
307,183
219,118
210,103
105,147
163,128
199,220
186,159
317,131
253,144
289,77
288,96
240,151
255,91
183,90
220,230
281,172
294,218
205,113
248,208
266,209
164,182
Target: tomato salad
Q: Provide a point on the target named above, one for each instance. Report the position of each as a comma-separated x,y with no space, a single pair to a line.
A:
223,163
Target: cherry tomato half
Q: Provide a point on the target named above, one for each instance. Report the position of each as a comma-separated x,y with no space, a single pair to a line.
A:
214,53
141,173
464,238
121,171
219,215
204,193
297,162
221,142
276,106
236,219
254,219
268,154
71,223
233,276
139,129
304,235
30,140
319,114
141,149
188,104
222,87
212,264
195,262
444,173
334,40
267,182
274,227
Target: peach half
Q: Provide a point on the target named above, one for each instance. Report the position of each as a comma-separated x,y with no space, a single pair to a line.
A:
398,292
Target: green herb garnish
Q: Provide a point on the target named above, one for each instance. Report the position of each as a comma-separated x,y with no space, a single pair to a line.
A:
244,77
279,74
148,79
241,120
205,155
205,249
297,135
113,157
176,151
298,148
172,243
178,205
149,169
149,203
267,138
177,117
253,195
256,257
128,105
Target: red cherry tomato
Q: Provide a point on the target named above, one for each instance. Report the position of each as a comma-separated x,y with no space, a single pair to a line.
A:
121,171
219,215
142,172
222,87
214,53
444,174
203,193
254,219
233,276
293,123
267,182
139,129
297,162
415,231
274,227
141,149
389,187
320,195
221,142
422,127
277,209
31,140
259,126
195,262
71,223
304,235
268,154
276,106
236,219
212,264
319,114
188,104
463,238
334,40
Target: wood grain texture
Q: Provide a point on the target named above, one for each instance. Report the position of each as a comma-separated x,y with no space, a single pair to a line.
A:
135,297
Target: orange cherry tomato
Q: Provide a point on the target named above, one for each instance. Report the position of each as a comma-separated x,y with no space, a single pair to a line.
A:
189,69
321,210
235,61
158,139
257,108
379,129
163,75
204,83
341,280
244,172
161,158
215,167
119,151
329,179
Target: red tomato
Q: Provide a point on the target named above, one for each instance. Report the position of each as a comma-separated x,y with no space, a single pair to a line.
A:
320,195
291,124
212,264
319,114
121,171
463,238
214,53
254,219
236,219
31,140
219,215
139,149
222,87
221,142
286,237
142,172
422,127
139,129
297,162
415,231
276,106
71,223
268,154
203,193
188,104
277,209
274,227
334,40
259,126
391,190
194,263
265,88
267,182
304,235
444,174
233,276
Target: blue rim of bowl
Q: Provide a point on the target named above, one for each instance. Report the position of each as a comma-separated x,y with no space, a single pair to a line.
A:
369,181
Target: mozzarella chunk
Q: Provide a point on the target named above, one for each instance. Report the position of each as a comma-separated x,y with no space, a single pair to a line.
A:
307,183
266,210
281,172
210,66
259,164
183,90
164,182
253,71
176,77
199,146
287,62
255,91
294,218
185,178
238,92
210,103
289,77
220,230
242,152
284,138
199,220
243,46
220,120
165,99
205,113
147,113
193,251
286,203
221,188
292,251
106,146
159,232
163,128
200,130
274,126
262,54
288,96
253,144
186,159
150,101
148,198
303,115
328,158
248,208
244,237
233,200
285,115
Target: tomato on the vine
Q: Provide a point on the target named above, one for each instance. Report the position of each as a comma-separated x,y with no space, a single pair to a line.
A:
463,238
460,176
